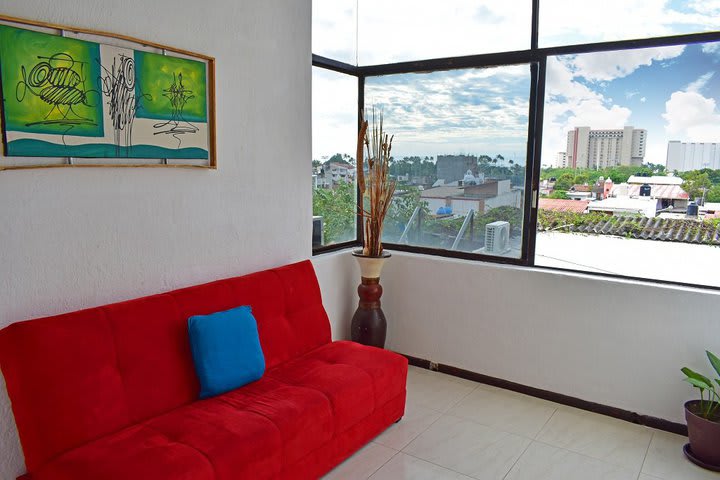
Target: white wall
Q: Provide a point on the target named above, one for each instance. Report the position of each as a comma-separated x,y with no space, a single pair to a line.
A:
73,238
339,276
613,342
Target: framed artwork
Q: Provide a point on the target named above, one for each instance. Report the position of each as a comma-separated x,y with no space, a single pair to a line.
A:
69,97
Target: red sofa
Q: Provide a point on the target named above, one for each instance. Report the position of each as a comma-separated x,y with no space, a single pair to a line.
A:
110,393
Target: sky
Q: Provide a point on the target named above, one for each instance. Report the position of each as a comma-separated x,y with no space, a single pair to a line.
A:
673,92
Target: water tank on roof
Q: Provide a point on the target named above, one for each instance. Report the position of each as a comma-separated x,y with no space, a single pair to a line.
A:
692,209
645,190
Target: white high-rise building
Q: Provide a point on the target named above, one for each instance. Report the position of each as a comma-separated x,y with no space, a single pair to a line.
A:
684,157
588,148
561,160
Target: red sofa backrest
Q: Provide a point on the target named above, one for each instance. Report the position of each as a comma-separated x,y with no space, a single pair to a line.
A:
78,376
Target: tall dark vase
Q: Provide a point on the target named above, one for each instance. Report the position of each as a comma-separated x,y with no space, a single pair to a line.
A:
369,326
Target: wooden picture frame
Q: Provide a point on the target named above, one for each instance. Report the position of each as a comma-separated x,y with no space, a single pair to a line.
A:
58,116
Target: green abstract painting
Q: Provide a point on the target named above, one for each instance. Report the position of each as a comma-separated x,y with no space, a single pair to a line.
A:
177,86
49,83
66,97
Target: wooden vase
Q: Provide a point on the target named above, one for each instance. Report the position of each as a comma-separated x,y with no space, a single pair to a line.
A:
369,326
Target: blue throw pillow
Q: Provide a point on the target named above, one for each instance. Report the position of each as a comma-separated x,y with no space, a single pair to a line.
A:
226,350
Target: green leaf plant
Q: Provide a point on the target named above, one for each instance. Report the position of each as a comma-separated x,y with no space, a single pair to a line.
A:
709,396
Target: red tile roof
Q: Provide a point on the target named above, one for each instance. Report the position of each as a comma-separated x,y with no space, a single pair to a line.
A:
560,205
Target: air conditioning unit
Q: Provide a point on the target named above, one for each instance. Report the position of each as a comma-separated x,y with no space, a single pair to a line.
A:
497,238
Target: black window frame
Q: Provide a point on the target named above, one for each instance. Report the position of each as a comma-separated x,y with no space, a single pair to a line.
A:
536,57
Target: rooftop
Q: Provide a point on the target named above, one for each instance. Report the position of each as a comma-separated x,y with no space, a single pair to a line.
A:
655,180
560,205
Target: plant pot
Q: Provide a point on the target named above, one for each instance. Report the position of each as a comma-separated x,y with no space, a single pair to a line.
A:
704,436
369,326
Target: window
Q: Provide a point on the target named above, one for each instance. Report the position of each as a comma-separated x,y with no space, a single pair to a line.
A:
634,211
405,30
334,106
334,29
567,22
459,157
519,125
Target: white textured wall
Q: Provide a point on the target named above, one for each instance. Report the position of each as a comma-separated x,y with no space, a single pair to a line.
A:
72,238
339,276
613,342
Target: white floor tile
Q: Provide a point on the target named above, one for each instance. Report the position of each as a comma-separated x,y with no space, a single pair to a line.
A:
544,462
406,467
469,448
436,390
416,420
505,410
666,460
363,464
608,439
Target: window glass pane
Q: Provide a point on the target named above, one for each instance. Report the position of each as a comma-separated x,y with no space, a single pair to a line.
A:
402,30
334,136
568,22
334,28
459,156
630,139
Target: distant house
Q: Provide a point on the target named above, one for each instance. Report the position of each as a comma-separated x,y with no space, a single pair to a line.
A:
668,195
625,205
480,198
579,192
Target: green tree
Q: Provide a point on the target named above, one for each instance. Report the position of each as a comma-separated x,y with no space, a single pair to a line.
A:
696,183
565,181
559,194
713,195
338,208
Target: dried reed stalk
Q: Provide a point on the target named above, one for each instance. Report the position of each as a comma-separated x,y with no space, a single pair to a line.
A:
376,187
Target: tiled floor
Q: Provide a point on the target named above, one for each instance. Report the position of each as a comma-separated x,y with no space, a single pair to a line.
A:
457,429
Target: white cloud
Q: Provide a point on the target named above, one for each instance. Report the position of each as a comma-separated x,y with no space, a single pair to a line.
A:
710,48
606,66
563,22
691,117
472,111
643,99
400,30
700,83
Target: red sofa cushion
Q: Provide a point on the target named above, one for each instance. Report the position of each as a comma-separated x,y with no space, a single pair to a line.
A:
317,409
79,376
62,378
135,453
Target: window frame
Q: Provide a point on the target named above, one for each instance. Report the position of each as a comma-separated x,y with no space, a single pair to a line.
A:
536,57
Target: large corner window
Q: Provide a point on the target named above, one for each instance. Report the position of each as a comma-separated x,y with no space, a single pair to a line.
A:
534,132
459,157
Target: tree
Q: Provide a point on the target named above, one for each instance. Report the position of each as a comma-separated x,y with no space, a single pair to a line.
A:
564,181
713,195
696,183
559,194
338,208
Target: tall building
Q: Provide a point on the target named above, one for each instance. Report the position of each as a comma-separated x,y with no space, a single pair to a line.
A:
684,157
452,168
561,160
588,148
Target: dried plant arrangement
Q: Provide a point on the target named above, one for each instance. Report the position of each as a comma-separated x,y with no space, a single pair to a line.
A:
376,188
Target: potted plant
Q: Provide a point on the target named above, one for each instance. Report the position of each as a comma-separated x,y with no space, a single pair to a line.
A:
703,418
376,191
